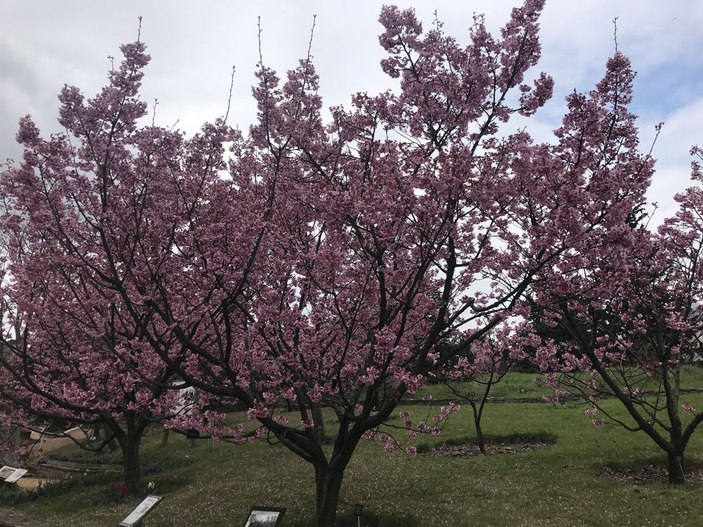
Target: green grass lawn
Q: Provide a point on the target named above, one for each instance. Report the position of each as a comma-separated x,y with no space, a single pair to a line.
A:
522,385
514,384
214,484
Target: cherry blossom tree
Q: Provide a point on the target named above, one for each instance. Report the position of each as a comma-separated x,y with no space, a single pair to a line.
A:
472,378
79,222
621,321
313,264
382,224
406,222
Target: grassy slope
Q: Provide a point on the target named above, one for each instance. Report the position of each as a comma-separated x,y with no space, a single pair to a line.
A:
562,485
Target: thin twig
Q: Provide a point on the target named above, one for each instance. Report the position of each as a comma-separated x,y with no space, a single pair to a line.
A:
615,33
312,34
657,129
153,114
258,36
231,87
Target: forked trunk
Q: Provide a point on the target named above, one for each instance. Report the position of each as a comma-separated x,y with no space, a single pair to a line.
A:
328,483
480,440
676,472
129,442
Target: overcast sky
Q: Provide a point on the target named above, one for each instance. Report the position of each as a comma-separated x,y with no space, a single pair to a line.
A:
46,43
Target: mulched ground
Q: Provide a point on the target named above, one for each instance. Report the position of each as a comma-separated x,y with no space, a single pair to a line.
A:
470,449
637,476
647,475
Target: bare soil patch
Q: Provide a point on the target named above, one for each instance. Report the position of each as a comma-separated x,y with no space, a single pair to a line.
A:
649,475
494,445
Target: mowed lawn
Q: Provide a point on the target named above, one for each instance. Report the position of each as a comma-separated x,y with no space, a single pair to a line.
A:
214,484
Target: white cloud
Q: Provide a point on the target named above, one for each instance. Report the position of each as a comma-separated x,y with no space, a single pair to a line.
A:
681,131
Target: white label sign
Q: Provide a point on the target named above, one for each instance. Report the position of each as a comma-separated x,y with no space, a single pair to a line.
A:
140,511
11,474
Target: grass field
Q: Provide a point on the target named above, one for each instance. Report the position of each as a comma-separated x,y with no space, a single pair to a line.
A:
214,484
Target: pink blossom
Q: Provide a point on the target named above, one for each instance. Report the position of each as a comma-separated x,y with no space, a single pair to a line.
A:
369,435
315,394
314,256
257,411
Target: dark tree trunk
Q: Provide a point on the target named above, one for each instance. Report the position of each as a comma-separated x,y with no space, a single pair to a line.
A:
132,464
319,421
480,440
130,441
112,445
328,483
329,470
676,464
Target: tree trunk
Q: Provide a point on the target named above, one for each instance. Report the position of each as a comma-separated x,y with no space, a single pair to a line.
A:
676,473
319,422
328,483
12,443
164,437
129,441
480,440
132,465
112,445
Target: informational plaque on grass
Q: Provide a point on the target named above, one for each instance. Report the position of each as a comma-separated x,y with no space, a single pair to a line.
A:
11,474
265,517
144,508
